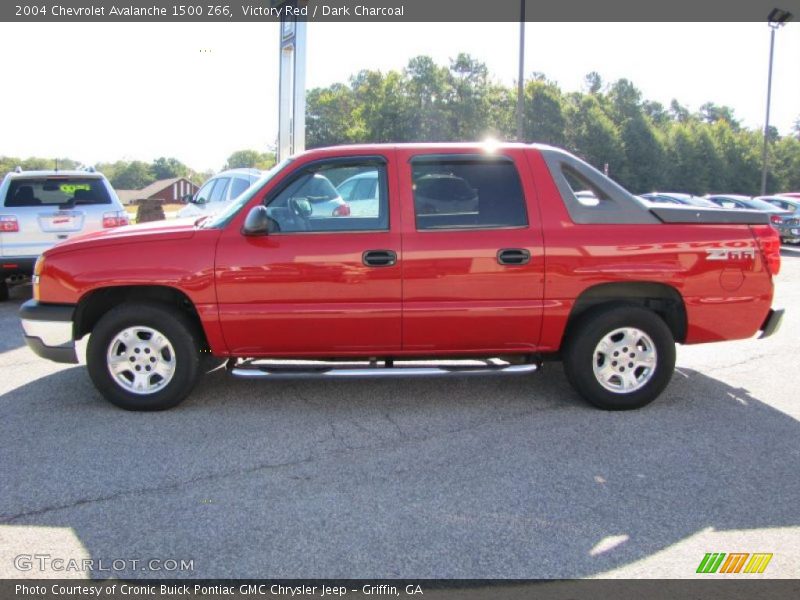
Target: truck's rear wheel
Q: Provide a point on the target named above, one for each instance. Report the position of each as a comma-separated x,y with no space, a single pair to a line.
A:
619,358
143,356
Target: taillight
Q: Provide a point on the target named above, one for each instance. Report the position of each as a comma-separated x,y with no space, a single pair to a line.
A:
115,219
343,210
769,243
776,219
9,224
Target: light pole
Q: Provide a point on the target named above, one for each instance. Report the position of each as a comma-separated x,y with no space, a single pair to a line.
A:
521,80
777,18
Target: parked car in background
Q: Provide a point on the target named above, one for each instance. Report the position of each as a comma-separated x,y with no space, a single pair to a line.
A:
587,197
677,198
311,196
39,209
739,202
744,202
787,223
795,195
218,191
782,202
361,193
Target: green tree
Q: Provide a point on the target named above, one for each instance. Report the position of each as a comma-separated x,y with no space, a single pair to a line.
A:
250,159
656,112
331,117
468,103
644,154
711,113
543,113
624,101
593,82
740,158
592,135
133,176
785,165
167,168
380,110
429,89
679,112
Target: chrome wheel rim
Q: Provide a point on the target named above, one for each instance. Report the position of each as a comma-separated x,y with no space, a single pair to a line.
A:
141,360
624,360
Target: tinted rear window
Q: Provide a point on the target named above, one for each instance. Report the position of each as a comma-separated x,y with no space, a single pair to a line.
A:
467,194
56,191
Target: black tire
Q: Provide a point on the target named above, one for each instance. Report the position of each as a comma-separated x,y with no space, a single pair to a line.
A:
178,331
3,290
579,357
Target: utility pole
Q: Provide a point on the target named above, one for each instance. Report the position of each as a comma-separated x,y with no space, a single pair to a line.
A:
521,79
776,19
292,83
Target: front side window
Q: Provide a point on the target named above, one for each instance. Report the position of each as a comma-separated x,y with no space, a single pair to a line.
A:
65,192
319,199
220,187
467,193
204,192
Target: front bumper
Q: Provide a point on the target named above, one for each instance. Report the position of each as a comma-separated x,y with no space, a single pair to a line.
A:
772,323
48,330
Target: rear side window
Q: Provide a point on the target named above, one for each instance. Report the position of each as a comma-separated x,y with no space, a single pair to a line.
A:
589,196
467,193
63,192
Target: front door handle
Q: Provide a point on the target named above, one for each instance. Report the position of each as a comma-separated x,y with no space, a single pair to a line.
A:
513,256
379,258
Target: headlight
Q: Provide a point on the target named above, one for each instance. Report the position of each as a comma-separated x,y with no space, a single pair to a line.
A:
37,271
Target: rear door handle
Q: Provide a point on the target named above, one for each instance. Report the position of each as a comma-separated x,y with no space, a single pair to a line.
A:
513,256
379,258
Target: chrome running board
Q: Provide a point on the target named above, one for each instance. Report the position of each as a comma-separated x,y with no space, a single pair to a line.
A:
286,370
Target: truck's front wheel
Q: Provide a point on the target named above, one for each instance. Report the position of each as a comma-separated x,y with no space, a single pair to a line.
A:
619,358
143,356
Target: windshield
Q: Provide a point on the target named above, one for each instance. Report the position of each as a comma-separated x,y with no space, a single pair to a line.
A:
223,217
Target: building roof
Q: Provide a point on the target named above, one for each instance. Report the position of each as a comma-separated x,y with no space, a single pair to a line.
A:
157,186
127,196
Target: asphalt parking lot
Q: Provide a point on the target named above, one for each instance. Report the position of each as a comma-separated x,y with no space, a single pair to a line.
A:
480,478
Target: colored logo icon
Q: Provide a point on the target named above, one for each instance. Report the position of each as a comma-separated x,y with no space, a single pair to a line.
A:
735,562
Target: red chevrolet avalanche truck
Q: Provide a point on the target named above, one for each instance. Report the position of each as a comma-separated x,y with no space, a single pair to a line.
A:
423,259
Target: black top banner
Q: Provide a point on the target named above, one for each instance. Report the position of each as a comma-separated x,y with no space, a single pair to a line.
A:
393,10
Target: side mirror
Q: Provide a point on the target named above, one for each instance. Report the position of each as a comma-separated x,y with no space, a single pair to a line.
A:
257,221
188,198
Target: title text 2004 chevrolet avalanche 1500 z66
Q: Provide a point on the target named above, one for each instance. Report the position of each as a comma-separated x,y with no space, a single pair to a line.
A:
463,252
